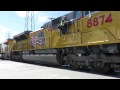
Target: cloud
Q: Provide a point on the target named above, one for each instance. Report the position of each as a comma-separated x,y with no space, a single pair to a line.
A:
4,31
42,19
22,14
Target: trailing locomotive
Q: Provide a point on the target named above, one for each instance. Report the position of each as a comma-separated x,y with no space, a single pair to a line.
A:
90,42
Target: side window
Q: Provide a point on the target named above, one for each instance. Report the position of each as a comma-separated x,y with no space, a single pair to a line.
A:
41,34
86,13
78,14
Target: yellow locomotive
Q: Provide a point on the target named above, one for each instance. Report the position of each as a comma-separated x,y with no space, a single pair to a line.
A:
91,41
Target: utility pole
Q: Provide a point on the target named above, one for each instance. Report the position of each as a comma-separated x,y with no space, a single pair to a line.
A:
8,35
29,21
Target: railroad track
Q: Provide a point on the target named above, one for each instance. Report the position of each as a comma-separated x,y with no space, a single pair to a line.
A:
115,74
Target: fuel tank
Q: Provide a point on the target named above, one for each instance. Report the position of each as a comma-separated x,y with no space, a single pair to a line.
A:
43,59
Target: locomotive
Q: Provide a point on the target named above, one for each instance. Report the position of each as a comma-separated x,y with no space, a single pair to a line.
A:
92,40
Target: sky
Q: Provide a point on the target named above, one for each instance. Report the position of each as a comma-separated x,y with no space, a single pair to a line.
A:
14,21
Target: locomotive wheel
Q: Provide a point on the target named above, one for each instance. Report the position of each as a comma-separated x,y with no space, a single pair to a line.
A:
74,66
104,69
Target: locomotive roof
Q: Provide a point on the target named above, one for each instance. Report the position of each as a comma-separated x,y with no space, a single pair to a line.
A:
69,16
23,33
21,36
46,25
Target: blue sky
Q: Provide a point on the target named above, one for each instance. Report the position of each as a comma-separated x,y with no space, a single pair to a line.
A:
14,21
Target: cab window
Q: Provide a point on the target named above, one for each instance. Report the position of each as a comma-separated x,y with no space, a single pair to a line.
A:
85,13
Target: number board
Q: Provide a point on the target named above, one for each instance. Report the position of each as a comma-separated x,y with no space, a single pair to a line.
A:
95,21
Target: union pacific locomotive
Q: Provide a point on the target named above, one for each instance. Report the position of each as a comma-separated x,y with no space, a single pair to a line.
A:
92,40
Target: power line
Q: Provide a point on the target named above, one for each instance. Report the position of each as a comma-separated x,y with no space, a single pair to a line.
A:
8,34
29,21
